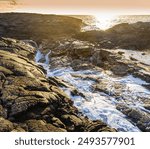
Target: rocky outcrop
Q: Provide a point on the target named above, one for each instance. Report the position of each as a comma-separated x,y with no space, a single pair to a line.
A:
116,61
81,55
31,102
140,118
37,26
134,36
40,27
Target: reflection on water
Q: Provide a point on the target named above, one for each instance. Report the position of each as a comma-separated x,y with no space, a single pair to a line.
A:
105,21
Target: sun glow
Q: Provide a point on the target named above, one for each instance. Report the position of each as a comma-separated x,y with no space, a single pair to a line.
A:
104,21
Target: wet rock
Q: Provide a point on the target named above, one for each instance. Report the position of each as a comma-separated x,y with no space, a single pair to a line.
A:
17,47
81,65
108,59
147,106
83,51
87,77
28,100
59,62
120,65
61,83
109,87
143,74
121,69
133,59
57,82
120,52
140,118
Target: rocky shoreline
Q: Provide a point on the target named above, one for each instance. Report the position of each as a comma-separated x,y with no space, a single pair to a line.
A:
32,98
29,101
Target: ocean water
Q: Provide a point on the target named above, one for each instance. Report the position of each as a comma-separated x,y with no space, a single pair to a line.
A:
105,22
100,20
97,21
98,105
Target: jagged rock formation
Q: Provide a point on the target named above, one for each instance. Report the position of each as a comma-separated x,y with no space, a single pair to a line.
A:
140,118
28,100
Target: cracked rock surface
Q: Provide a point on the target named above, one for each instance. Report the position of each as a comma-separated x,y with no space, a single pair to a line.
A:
29,101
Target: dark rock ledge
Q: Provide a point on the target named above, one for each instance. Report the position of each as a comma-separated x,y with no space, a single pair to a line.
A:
28,101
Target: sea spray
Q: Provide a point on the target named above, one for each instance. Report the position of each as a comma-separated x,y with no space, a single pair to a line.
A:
98,105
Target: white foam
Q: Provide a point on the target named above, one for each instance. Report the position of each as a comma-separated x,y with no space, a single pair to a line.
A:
47,58
98,105
38,56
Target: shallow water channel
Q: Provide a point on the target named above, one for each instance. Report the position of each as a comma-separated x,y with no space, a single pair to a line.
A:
98,104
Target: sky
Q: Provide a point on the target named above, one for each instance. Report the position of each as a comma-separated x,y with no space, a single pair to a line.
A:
79,6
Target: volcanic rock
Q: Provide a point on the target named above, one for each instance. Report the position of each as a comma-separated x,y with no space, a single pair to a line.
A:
28,100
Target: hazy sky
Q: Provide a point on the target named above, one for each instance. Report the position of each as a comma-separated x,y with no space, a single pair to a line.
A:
82,5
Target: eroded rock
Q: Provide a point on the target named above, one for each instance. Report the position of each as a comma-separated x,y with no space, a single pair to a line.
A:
140,118
28,100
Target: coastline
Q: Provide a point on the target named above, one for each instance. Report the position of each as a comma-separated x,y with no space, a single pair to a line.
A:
42,101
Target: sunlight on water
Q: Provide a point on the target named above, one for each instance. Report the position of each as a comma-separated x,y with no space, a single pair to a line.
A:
104,21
